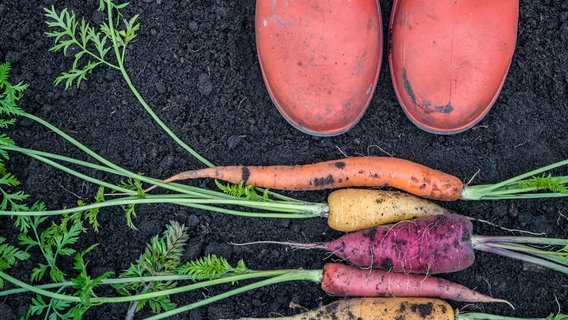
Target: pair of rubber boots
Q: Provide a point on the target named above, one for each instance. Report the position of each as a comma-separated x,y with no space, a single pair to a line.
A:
448,59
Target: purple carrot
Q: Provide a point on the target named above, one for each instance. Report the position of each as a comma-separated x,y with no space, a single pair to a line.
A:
432,245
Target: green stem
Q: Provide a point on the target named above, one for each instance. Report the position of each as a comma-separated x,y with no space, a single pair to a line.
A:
550,255
492,248
79,145
110,168
512,189
294,274
493,191
274,210
31,288
79,175
297,275
190,190
141,99
516,239
106,281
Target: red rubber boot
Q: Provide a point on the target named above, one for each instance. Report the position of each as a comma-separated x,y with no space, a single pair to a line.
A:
320,60
449,59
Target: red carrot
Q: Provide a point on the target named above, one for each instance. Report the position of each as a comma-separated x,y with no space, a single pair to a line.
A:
349,281
431,245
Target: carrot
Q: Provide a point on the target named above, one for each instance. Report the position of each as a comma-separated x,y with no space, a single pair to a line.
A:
377,309
358,209
394,308
349,281
435,244
383,172
350,172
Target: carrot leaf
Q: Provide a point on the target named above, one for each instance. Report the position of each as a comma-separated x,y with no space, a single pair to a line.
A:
92,213
161,257
545,182
94,47
242,191
9,255
9,94
212,267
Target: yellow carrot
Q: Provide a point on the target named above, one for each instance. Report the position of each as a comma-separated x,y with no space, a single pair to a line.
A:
378,309
358,209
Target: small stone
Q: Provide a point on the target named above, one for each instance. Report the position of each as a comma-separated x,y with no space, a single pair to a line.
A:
192,221
167,162
204,85
283,223
233,141
193,26
161,87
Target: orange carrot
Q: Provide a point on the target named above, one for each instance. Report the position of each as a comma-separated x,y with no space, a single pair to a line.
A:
350,172
371,171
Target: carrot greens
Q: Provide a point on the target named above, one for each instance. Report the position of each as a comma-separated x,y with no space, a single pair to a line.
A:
148,283
56,238
103,46
527,249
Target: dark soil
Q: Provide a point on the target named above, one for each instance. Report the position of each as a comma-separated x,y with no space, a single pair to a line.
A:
195,63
